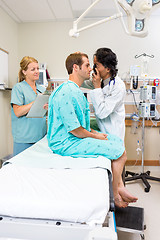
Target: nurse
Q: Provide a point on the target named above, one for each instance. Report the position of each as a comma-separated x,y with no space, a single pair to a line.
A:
108,93
26,131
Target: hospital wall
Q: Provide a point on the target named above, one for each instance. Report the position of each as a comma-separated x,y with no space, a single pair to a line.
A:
8,42
50,43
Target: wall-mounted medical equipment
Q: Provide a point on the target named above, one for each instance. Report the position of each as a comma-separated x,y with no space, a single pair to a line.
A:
147,110
138,12
134,70
147,92
156,82
42,78
134,74
145,63
43,75
53,83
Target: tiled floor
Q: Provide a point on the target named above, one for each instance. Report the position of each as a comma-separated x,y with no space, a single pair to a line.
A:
149,201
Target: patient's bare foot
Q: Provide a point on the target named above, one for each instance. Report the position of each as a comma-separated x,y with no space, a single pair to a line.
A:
126,195
119,202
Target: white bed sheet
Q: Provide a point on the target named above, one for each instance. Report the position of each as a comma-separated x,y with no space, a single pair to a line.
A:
41,184
60,194
40,156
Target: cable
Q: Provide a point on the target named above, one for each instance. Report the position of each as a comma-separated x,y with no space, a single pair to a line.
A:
134,98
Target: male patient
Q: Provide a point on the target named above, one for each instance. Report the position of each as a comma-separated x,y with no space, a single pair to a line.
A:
69,132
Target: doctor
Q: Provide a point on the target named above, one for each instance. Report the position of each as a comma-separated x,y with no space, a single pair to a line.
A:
108,93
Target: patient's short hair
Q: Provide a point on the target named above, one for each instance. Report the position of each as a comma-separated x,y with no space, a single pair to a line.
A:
74,58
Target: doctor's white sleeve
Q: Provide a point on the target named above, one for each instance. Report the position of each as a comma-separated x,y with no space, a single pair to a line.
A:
105,105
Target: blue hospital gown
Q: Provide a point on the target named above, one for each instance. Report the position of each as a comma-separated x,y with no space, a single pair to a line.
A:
68,110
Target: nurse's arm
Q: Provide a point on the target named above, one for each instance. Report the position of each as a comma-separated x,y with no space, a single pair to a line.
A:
83,133
21,110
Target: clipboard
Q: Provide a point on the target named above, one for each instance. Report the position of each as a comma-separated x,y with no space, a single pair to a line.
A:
37,110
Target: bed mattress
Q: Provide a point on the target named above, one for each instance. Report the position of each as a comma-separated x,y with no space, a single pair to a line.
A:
40,184
74,195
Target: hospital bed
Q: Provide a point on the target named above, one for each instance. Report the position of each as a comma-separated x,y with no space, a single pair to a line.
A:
48,196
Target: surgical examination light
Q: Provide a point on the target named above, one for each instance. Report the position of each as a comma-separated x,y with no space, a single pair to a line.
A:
137,11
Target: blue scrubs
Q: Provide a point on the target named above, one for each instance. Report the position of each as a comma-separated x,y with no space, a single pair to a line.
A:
26,130
68,110
20,147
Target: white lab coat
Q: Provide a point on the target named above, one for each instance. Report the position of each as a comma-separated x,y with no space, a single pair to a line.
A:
109,107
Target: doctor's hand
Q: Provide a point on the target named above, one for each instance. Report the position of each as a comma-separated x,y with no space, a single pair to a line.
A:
96,79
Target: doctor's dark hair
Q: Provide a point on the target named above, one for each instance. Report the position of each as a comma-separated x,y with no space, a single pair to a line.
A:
108,59
24,66
74,58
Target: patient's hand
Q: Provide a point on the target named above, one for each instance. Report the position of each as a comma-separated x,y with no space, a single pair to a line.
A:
81,132
101,136
45,106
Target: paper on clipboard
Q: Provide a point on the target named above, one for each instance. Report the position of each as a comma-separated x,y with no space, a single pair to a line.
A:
37,110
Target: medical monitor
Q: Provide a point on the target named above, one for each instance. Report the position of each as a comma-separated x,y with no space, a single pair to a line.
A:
42,78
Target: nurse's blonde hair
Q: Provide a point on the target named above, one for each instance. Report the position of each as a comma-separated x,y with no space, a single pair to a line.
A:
24,66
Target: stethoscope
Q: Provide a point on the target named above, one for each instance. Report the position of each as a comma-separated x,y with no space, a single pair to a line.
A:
111,81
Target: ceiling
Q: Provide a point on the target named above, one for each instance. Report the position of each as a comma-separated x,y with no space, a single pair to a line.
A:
55,10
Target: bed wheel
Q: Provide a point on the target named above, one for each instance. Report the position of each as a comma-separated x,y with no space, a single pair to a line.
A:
147,189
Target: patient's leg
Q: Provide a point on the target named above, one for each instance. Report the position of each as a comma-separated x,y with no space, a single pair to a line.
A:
121,195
